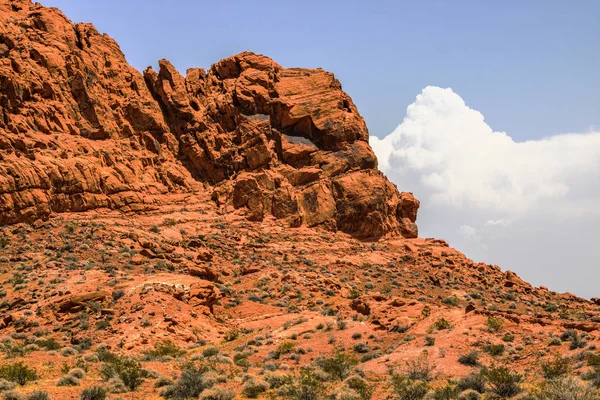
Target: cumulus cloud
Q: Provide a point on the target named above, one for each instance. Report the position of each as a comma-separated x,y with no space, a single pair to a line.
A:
469,176
468,232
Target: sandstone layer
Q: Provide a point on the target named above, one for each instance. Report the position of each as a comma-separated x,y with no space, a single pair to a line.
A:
81,129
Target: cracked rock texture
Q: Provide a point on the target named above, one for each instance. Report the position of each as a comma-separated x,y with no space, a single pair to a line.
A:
81,129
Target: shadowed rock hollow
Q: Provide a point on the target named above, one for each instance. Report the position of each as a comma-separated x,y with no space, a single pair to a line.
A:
81,129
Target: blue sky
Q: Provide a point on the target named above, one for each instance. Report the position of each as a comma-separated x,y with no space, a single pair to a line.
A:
531,67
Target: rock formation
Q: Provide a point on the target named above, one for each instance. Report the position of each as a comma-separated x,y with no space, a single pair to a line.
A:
81,129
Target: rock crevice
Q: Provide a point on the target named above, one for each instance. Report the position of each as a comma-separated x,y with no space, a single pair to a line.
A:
82,129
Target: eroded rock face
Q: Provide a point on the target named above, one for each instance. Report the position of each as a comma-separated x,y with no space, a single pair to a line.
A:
81,129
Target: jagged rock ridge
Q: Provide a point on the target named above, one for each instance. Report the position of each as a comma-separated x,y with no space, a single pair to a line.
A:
81,129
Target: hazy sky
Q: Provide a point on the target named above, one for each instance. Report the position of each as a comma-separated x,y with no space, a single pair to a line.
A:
488,86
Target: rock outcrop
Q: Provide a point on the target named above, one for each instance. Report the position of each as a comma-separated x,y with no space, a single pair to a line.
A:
81,129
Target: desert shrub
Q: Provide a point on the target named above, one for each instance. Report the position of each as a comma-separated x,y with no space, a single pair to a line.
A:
162,382
503,381
38,395
68,351
473,381
254,387
6,385
12,350
210,352
361,348
559,366
68,380
308,386
360,386
18,373
162,349
494,324
285,348
429,340
404,388
419,369
231,335
117,294
345,393
494,349
338,366
128,370
78,373
469,395
190,384
571,335
13,395
593,360
451,301
441,324
568,335
554,341
93,393
446,392
218,394
565,389
471,358
116,385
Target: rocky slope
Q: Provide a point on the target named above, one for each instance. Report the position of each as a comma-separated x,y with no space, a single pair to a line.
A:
80,129
145,221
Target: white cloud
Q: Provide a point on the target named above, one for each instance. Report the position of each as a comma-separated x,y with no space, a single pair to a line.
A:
468,232
468,175
497,222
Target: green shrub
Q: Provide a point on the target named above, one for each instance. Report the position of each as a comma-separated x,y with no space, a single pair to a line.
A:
93,393
441,324
117,294
6,385
308,386
471,358
565,389
190,384
473,381
469,395
407,389
558,367
48,344
419,369
38,395
13,395
218,394
503,382
446,392
128,370
254,387
494,324
162,382
285,348
338,366
18,373
210,352
451,301
361,348
162,349
68,380
360,386
494,349
78,373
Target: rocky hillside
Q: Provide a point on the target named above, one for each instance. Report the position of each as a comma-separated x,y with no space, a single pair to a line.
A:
227,235
81,129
